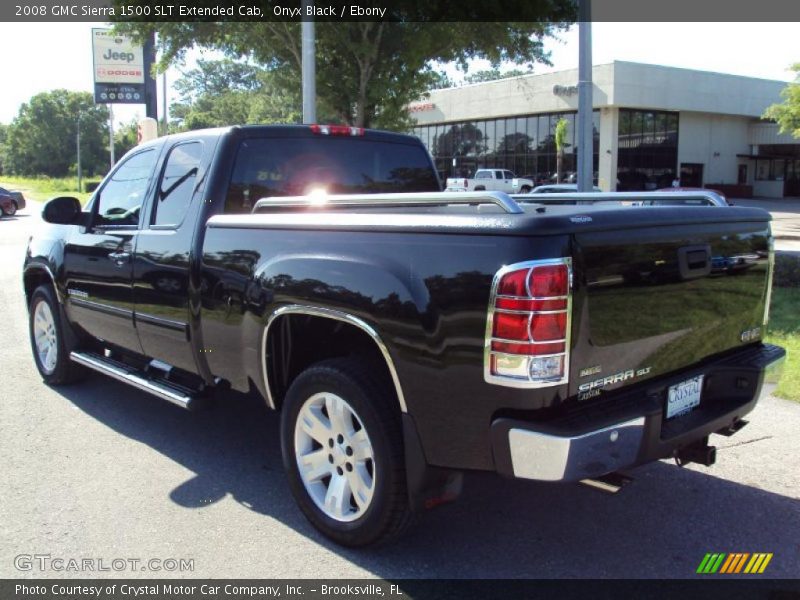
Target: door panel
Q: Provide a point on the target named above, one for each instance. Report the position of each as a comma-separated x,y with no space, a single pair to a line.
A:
98,259
161,265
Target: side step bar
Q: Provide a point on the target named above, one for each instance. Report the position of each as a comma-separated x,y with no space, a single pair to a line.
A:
127,374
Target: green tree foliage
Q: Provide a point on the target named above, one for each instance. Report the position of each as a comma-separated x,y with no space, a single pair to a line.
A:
494,74
787,113
125,138
560,139
226,92
368,72
41,140
3,135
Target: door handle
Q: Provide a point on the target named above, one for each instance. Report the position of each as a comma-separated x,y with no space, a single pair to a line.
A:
120,258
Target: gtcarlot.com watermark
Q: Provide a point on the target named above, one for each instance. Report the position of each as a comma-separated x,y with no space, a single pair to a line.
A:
83,564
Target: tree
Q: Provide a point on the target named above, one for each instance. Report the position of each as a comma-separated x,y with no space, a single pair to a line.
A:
493,75
41,140
3,136
125,138
368,72
226,92
560,139
787,114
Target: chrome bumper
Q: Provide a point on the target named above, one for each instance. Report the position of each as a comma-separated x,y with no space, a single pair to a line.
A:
772,375
546,457
554,452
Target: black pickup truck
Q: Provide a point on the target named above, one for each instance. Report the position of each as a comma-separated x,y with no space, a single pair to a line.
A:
406,334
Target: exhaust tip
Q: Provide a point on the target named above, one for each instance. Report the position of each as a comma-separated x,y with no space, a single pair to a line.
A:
611,483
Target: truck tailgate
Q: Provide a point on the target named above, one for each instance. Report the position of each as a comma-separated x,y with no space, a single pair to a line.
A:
655,300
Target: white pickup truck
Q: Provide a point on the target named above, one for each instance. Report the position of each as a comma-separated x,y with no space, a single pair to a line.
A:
490,180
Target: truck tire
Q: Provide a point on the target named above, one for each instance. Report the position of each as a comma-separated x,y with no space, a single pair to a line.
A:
10,210
525,189
480,188
51,342
341,434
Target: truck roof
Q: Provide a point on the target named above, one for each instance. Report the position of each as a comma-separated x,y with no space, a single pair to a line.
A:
252,131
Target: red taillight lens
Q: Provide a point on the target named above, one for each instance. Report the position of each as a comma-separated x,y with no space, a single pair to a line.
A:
514,284
549,280
528,349
529,325
548,327
511,326
522,304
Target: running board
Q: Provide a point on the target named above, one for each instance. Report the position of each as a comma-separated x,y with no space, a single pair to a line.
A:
127,374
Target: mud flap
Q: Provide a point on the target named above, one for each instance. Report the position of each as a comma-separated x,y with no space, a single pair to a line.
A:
428,486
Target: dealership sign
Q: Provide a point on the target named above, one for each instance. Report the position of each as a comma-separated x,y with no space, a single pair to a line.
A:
118,69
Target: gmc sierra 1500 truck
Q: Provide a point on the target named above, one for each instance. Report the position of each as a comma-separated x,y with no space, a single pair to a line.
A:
406,334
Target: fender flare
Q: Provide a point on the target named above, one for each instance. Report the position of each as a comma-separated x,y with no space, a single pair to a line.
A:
327,313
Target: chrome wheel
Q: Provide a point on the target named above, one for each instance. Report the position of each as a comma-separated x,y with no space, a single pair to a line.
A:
334,457
45,338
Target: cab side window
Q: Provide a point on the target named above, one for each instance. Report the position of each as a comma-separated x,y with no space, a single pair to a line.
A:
177,184
121,199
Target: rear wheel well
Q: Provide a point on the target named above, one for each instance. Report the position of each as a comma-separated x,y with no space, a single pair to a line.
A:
297,341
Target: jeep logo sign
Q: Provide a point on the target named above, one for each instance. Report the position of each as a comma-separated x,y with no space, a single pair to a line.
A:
125,56
119,72
111,52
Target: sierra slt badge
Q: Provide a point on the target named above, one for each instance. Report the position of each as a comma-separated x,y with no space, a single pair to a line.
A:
616,378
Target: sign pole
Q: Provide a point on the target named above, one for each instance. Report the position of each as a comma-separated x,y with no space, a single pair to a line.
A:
165,130
78,144
150,87
111,135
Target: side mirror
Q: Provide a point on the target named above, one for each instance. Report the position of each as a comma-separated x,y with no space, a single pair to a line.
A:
63,210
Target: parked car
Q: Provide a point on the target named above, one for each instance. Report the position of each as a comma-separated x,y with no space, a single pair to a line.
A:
490,180
17,198
405,337
7,206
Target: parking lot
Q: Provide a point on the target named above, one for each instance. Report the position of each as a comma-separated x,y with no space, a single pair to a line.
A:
100,470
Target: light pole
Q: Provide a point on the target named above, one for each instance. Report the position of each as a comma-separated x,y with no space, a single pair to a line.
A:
309,67
78,145
585,128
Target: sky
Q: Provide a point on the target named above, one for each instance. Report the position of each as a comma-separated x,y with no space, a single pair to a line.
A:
58,55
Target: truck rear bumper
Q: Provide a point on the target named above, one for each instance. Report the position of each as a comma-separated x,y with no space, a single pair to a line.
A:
630,429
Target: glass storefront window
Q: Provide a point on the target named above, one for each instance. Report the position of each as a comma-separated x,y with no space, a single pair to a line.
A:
648,149
523,145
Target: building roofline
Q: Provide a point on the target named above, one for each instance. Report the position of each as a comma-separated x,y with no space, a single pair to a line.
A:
613,63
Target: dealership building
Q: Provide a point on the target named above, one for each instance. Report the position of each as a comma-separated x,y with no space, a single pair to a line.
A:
651,125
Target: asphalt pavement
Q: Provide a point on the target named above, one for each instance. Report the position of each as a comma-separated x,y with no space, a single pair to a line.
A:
101,471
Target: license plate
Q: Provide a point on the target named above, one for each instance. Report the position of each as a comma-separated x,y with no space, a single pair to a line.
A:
683,397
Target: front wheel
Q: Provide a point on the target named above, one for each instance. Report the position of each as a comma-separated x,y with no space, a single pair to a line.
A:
525,189
50,342
343,452
10,209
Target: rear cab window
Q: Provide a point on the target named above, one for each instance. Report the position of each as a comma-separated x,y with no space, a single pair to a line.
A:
177,184
270,167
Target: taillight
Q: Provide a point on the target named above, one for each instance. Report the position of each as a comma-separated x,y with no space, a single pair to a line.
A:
527,335
336,130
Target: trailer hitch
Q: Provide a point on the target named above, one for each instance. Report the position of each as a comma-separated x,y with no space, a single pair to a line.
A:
699,452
